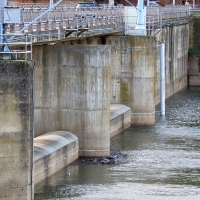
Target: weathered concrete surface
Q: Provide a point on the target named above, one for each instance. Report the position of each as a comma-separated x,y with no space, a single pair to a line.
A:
120,118
72,93
194,53
194,71
16,130
133,64
52,152
176,39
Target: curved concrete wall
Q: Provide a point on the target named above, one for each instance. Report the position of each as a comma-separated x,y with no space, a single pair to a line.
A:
52,152
120,119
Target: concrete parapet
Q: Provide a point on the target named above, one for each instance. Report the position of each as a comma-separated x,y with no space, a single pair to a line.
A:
52,152
120,118
16,130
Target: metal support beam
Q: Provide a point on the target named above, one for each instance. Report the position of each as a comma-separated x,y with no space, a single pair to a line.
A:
162,79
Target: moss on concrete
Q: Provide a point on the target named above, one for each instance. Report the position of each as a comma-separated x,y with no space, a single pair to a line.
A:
124,91
194,52
194,33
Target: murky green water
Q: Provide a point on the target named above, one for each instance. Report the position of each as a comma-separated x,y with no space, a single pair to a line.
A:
163,162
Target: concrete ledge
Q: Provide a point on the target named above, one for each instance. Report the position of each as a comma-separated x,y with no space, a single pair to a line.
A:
120,118
52,152
143,119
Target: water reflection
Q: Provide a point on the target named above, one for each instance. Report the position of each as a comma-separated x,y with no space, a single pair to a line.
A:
163,161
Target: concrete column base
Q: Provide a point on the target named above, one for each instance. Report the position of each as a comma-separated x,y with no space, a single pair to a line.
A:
94,153
143,119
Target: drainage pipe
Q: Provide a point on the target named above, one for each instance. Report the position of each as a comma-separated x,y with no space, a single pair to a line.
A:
162,79
140,23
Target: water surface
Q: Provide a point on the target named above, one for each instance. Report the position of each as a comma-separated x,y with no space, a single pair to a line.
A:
163,161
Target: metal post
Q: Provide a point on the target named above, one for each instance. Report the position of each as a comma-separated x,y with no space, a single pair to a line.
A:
111,2
51,3
31,46
25,47
140,24
2,5
174,2
1,32
162,79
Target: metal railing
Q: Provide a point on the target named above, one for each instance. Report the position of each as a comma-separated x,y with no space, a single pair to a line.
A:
63,17
19,47
168,12
63,20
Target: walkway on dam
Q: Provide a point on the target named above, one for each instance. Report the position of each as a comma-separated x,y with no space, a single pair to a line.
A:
64,21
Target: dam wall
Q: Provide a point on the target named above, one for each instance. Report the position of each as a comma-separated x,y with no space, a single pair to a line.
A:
176,40
194,54
77,81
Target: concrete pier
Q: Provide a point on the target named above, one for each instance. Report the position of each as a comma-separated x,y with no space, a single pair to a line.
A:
16,130
72,94
133,64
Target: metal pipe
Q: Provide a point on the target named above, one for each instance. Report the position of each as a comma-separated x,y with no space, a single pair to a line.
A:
111,2
51,3
140,24
162,79
36,19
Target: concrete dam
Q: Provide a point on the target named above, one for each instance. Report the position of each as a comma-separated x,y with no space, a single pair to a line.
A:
76,95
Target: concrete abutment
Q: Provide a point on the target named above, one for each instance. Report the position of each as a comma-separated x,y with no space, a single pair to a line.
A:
16,130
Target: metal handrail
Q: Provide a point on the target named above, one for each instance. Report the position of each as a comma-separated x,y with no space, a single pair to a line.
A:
64,17
18,42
